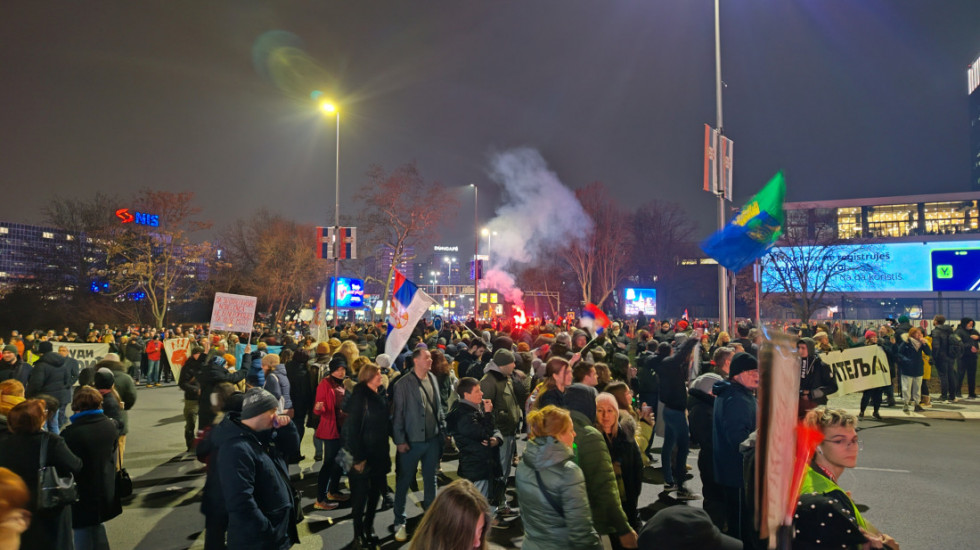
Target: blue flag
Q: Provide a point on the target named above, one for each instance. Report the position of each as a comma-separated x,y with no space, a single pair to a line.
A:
753,231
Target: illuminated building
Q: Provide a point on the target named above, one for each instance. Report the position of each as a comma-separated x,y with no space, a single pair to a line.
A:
973,85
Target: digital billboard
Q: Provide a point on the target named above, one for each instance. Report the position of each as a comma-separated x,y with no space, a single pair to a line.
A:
349,292
640,299
896,267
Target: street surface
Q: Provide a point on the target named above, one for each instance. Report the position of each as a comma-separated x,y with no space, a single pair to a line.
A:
916,478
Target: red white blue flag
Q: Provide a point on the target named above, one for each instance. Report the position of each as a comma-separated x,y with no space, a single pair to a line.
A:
594,319
408,305
343,238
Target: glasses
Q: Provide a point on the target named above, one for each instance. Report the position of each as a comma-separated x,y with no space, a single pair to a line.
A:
847,443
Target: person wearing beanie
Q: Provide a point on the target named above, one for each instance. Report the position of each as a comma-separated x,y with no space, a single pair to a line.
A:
254,482
871,395
968,362
189,382
11,367
684,527
497,385
944,358
111,406
734,420
816,378
327,403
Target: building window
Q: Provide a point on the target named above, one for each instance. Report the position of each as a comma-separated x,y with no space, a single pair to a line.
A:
69,237
894,220
47,235
948,218
4,231
848,223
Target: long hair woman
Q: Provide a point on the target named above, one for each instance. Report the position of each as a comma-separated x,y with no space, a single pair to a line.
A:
459,519
617,428
557,377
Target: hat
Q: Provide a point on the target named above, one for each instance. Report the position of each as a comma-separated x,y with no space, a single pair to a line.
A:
903,318
870,333
581,398
337,362
322,348
44,347
258,401
503,357
196,349
565,339
104,379
383,361
230,360
706,382
682,325
742,362
825,521
11,348
111,357
681,527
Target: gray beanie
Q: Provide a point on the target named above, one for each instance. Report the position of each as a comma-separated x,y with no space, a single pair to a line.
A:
503,357
383,361
256,402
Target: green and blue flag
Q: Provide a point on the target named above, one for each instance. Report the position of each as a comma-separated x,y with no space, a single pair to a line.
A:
753,231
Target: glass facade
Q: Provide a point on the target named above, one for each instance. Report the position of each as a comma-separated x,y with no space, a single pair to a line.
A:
892,220
889,220
30,252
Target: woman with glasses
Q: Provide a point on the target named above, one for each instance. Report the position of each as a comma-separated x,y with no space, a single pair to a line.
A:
838,452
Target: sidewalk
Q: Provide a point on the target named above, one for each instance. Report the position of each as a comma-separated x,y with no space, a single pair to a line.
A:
963,409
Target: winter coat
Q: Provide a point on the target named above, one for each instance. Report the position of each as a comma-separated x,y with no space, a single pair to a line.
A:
21,453
125,387
277,383
940,344
301,391
208,450
627,465
189,380
209,377
18,370
910,362
593,457
472,431
663,335
411,408
153,348
700,409
816,378
468,364
113,409
134,350
646,375
92,437
51,376
969,357
368,429
734,420
499,389
330,393
672,372
544,527
256,490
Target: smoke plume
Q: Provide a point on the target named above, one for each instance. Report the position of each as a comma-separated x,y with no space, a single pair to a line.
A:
538,214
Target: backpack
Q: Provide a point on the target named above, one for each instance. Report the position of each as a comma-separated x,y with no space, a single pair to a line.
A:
954,347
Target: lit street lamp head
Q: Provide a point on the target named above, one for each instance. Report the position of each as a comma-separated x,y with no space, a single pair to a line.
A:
328,107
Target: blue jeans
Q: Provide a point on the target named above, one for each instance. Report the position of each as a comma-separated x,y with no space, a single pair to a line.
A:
676,433
91,538
153,372
428,453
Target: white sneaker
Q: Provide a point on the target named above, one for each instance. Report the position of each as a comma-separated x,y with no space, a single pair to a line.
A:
401,533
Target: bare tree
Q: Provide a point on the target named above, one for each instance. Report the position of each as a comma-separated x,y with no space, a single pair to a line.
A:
159,264
600,260
811,262
401,210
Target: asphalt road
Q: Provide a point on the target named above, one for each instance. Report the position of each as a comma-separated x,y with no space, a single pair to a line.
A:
916,477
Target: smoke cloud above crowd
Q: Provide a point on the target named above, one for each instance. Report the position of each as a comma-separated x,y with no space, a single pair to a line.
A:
539,214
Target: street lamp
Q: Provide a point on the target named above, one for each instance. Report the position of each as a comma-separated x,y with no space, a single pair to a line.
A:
329,108
487,233
476,258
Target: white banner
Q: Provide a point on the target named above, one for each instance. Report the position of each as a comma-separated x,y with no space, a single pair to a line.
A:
177,350
233,313
859,369
86,354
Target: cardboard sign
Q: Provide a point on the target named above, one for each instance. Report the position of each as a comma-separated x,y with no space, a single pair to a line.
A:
86,354
859,369
233,313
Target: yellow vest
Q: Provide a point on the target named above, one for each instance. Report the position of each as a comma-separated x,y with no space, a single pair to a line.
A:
815,482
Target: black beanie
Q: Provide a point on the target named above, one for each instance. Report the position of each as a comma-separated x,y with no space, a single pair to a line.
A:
742,362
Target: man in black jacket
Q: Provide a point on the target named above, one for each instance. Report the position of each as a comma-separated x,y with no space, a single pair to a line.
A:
189,382
968,362
942,359
210,375
51,376
470,423
673,372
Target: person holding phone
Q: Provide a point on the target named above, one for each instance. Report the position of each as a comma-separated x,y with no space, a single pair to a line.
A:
472,426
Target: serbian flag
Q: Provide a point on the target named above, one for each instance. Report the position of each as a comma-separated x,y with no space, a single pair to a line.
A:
408,305
594,319
324,243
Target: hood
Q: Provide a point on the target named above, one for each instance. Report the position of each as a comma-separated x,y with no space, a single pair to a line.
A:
542,452
53,358
225,430
811,344
492,367
621,361
943,328
964,322
721,388
458,410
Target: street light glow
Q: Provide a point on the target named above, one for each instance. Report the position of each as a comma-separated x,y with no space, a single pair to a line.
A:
328,107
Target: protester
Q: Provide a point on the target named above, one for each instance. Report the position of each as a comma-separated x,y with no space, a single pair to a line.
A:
816,379
619,428
189,382
673,373
20,451
93,437
557,376
944,359
551,487
641,428
257,492
968,362
457,520
418,428
734,419
328,405
700,405
302,391
498,387
684,528
911,366
367,438
470,421
838,451
153,348
871,396
11,367
11,393
213,504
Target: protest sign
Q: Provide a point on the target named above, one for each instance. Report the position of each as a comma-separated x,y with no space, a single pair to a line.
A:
240,351
233,312
86,354
177,350
858,369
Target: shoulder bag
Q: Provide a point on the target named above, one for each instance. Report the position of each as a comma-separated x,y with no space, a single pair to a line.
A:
53,491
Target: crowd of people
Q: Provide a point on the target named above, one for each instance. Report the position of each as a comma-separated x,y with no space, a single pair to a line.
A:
588,406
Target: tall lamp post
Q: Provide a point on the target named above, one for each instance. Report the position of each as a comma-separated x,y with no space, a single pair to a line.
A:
330,108
476,258
723,304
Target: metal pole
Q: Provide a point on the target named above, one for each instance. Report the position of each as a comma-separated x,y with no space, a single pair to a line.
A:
476,258
722,272
336,250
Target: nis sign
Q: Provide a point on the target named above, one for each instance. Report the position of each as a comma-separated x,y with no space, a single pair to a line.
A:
125,216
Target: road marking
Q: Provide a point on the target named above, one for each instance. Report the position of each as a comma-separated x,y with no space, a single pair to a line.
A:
883,470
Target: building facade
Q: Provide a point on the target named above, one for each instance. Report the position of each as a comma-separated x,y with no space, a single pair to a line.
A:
973,85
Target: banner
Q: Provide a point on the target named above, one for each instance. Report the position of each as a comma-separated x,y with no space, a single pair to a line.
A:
86,354
177,350
858,369
233,313
240,351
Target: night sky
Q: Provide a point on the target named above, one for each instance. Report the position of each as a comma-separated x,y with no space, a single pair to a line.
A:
852,98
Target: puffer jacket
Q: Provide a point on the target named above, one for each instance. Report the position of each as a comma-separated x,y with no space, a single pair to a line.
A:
544,527
593,457
277,383
910,362
734,420
51,376
471,428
